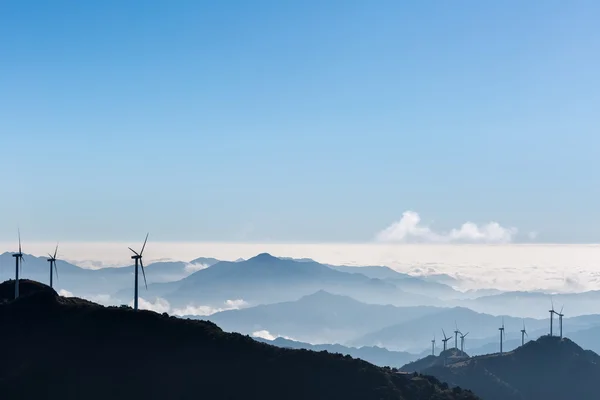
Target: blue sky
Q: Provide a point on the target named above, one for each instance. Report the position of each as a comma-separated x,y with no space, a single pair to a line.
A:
308,121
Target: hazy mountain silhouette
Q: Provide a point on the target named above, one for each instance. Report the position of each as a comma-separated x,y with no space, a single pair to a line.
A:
267,279
549,368
319,317
68,348
375,355
536,304
96,281
416,334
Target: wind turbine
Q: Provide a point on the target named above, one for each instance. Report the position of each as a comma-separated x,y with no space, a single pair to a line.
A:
456,332
462,341
560,316
18,261
523,333
138,261
502,334
433,346
445,339
52,261
552,312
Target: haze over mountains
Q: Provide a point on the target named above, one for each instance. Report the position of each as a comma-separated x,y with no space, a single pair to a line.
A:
375,313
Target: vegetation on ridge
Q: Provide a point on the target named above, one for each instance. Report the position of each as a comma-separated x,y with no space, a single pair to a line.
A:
70,348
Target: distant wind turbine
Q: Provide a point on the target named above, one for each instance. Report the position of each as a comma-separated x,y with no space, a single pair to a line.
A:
445,339
523,333
456,332
552,312
138,261
433,346
52,261
462,342
502,335
560,317
18,263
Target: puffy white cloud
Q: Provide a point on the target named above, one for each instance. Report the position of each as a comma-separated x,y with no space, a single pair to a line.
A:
264,334
65,293
160,305
235,304
410,229
191,268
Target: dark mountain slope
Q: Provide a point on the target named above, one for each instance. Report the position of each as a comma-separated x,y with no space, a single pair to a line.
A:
67,348
549,368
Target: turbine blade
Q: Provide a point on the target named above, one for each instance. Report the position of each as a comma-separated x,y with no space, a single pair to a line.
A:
561,309
19,233
55,251
49,255
552,302
134,252
56,270
143,273
145,240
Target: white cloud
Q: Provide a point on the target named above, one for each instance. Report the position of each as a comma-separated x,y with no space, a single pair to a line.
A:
191,268
235,304
264,334
160,305
409,228
65,293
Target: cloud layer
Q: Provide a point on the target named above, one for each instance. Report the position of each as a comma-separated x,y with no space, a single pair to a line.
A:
161,305
410,229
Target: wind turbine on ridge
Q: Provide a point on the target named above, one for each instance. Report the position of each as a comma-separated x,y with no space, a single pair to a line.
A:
523,333
560,317
445,339
462,341
52,261
138,261
456,332
552,312
433,346
502,335
18,262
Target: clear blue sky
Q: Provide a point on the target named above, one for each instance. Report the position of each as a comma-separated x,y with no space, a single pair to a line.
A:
297,121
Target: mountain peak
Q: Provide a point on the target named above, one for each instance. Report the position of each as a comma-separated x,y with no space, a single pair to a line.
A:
264,257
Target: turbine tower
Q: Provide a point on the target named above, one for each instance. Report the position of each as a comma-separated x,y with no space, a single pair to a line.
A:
462,342
445,339
18,261
502,334
456,332
560,317
552,312
523,333
433,346
138,261
52,261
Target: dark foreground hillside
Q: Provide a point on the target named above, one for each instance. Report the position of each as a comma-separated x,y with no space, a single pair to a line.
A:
66,348
549,368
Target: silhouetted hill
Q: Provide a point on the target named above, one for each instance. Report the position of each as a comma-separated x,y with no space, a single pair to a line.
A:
266,279
375,355
444,358
549,368
67,348
320,317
